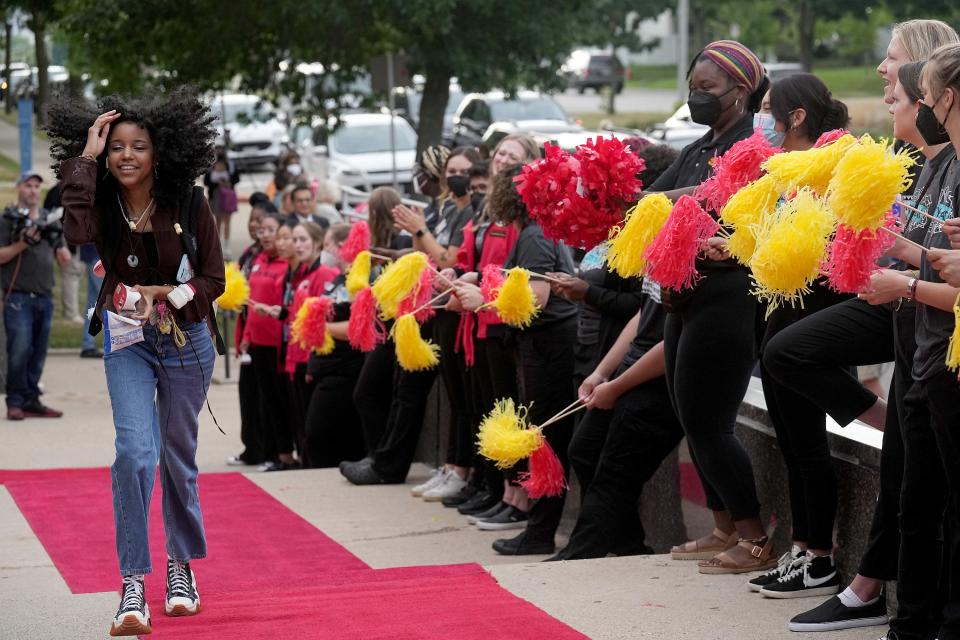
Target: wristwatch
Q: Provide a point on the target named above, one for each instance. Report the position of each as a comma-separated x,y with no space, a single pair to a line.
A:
420,233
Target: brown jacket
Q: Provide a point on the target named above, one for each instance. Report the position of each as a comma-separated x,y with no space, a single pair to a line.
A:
83,223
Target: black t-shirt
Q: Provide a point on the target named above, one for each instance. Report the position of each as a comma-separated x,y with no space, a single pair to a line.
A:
535,253
650,329
693,167
342,351
934,326
35,271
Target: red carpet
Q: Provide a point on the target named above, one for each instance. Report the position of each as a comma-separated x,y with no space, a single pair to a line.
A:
270,573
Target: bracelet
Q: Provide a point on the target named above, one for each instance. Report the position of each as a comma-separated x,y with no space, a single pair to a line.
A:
89,156
912,288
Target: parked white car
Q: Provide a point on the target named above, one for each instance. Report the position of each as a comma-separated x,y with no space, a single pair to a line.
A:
253,131
357,154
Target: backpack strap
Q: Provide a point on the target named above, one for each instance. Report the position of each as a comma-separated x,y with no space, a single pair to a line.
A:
188,219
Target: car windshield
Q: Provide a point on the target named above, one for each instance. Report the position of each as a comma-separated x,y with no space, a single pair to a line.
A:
532,109
241,112
372,138
414,98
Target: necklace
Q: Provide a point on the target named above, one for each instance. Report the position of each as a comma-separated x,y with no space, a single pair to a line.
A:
132,258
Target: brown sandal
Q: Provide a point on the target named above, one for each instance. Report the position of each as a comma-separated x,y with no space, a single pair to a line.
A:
760,559
695,550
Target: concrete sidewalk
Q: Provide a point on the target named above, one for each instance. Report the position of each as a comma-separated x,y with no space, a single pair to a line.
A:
614,598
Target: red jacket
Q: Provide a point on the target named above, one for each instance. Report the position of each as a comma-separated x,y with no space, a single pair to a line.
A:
266,286
305,284
498,242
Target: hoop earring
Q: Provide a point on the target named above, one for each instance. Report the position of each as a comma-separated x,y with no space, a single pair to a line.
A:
106,165
156,172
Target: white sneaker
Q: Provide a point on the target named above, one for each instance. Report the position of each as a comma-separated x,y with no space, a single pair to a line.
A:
133,616
436,477
450,487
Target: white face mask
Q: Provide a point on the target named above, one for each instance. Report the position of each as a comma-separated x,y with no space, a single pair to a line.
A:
328,259
294,169
766,124
219,176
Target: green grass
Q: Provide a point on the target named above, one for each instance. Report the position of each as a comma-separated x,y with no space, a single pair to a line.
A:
620,120
843,82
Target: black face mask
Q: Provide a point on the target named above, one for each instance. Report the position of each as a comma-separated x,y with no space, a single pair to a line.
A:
458,185
476,199
929,127
705,108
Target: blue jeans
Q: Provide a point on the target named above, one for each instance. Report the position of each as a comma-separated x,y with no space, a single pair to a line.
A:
157,392
93,288
27,318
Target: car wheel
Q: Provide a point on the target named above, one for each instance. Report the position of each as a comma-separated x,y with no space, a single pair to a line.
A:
618,89
581,89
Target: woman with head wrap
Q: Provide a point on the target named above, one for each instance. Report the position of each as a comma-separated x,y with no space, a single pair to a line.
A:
708,335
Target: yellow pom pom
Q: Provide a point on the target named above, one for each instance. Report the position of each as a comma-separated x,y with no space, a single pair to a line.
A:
359,275
748,205
397,281
867,181
515,303
413,352
236,292
811,168
953,350
327,347
504,437
791,246
643,223
741,244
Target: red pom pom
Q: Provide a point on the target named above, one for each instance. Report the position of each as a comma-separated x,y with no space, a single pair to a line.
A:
672,256
830,136
310,325
853,256
491,282
357,241
421,295
577,199
735,169
365,330
546,477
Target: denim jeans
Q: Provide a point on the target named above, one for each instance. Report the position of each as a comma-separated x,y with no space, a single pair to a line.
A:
27,318
157,392
93,288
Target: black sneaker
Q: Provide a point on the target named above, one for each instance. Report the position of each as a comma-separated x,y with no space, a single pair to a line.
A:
478,504
522,545
489,513
182,596
509,518
133,616
833,615
457,499
784,565
813,576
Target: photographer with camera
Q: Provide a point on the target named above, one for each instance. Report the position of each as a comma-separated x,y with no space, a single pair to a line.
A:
29,243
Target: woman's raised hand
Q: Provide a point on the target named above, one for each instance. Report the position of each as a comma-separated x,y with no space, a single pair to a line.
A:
98,132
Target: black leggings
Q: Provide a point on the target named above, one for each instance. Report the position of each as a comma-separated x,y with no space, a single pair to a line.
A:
458,384
801,431
614,453
814,358
278,434
373,393
333,426
300,393
495,377
708,348
545,377
251,429
398,444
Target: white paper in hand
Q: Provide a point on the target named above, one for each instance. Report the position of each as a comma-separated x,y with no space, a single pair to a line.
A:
120,332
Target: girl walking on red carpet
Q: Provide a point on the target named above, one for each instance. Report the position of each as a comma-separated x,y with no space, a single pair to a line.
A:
128,187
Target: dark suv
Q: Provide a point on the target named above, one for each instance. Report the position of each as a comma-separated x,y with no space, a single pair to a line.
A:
595,71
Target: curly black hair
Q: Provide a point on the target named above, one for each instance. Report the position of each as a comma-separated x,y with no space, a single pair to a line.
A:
504,203
179,124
